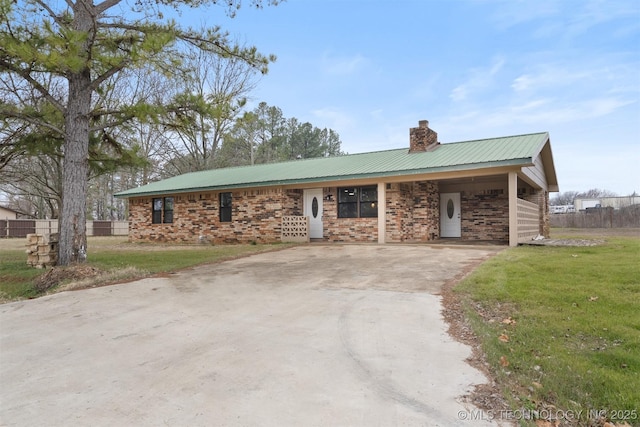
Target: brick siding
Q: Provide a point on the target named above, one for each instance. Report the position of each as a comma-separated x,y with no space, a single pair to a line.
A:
399,212
256,216
345,229
484,216
413,212
426,211
412,209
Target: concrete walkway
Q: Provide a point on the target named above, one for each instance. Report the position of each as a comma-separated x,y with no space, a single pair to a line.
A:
340,335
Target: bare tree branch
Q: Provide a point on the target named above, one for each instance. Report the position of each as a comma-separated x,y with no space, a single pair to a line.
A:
46,7
25,74
32,120
101,7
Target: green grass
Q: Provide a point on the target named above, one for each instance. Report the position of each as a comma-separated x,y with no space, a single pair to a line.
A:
170,260
575,343
16,277
113,256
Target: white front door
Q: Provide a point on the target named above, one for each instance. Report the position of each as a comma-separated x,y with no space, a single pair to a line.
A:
313,209
450,215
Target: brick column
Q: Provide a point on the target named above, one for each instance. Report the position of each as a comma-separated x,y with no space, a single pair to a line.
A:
544,216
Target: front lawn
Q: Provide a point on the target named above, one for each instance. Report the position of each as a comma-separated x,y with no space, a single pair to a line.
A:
116,259
560,328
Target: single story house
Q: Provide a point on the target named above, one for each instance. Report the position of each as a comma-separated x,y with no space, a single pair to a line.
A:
491,189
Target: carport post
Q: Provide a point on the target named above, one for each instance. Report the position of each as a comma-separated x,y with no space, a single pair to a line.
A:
513,209
382,212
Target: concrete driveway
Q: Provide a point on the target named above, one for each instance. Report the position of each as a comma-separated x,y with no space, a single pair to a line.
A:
340,335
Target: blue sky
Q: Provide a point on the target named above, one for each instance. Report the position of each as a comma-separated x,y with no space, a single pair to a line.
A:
474,68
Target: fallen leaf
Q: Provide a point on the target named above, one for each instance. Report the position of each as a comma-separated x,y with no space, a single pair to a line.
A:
545,423
593,299
536,384
504,362
504,338
509,321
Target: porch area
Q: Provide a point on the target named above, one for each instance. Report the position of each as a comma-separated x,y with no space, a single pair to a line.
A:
486,210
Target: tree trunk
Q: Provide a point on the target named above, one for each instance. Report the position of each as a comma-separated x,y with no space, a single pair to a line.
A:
73,228
72,246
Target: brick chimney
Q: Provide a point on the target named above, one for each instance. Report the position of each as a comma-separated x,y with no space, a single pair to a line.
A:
422,138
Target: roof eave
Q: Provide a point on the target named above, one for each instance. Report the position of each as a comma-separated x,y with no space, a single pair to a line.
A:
550,168
408,173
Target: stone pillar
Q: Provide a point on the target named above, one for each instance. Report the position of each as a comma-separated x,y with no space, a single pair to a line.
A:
544,213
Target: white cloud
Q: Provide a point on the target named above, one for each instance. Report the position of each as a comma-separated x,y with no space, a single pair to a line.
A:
551,75
498,63
566,20
332,118
542,114
479,79
553,111
588,88
510,13
595,12
343,65
459,93
624,31
377,113
522,83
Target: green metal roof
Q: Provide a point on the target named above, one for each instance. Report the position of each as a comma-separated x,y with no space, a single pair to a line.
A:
457,156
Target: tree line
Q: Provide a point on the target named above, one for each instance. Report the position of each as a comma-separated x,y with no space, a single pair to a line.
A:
145,152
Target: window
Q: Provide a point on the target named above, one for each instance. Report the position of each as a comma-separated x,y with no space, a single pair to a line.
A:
358,202
162,210
168,210
157,211
225,207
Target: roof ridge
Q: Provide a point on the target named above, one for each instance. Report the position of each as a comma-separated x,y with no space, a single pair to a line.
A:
293,161
494,138
442,143
357,154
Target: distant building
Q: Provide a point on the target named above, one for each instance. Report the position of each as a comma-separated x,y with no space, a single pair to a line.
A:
557,209
581,204
6,213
